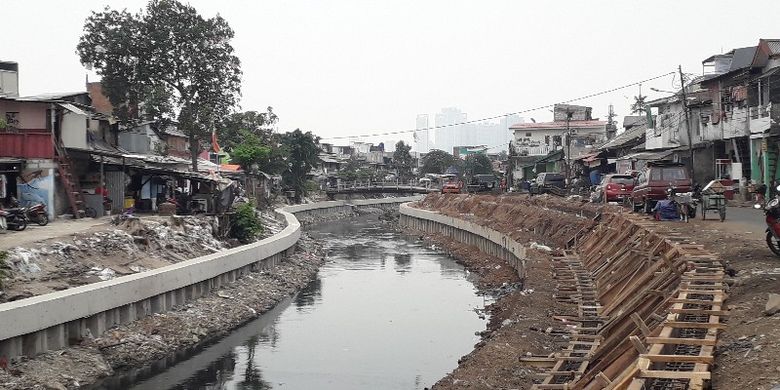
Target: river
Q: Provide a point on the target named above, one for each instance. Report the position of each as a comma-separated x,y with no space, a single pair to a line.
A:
384,312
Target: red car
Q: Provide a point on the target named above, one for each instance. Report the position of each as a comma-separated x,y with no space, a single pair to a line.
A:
452,187
617,187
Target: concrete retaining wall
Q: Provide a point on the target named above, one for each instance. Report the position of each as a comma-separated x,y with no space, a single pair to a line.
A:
486,239
55,320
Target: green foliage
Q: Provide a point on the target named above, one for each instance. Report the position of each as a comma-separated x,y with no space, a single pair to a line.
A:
355,170
169,58
3,123
246,225
402,161
302,152
437,161
311,186
477,163
233,129
251,152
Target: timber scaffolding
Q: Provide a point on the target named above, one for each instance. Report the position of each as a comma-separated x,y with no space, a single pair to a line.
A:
650,304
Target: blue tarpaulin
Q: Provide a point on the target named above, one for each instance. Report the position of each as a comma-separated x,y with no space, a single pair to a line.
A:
665,210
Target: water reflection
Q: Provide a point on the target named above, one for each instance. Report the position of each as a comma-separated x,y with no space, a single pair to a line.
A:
358,325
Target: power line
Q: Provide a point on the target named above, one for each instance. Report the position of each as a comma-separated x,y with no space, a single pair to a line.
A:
502,115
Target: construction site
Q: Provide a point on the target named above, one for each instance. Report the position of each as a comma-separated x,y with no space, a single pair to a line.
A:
615,300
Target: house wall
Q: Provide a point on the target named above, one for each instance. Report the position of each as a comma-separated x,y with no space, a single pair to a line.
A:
134,142
32,115
36,184
74,130
178,146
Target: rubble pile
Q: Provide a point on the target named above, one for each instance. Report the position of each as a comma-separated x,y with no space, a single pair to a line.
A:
187,326
134,245
545,219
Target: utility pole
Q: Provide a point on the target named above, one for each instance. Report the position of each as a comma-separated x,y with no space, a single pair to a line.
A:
687,126
568,145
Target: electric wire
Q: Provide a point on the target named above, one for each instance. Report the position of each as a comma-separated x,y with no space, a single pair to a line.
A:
396,132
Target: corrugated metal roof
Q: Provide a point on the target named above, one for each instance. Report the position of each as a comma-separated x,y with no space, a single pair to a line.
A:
743,57
633,134
73,109
774,46
558,125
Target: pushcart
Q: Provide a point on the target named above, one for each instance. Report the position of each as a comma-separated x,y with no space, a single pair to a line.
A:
715,201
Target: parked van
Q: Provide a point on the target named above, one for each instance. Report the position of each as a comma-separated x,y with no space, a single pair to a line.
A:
654,180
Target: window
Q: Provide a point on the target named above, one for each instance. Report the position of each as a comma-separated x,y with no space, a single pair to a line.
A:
527,134
675,173
547,139
12,119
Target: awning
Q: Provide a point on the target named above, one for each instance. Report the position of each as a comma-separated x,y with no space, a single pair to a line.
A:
73,109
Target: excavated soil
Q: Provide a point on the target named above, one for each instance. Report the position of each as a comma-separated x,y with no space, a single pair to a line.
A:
521,320
748,351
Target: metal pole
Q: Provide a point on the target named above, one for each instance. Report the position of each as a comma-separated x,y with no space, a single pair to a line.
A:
687,126
568,146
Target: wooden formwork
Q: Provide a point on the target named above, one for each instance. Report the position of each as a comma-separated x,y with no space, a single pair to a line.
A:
653,301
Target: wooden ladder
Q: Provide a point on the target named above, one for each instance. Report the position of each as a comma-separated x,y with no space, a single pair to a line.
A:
71,184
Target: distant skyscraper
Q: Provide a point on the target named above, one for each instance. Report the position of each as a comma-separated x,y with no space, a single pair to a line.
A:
422,138
447,134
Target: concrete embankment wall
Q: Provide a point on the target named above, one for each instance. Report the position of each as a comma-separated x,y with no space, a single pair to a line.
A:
55,320
486,239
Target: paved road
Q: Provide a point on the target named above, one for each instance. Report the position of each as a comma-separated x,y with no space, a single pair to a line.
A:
751,219
58,228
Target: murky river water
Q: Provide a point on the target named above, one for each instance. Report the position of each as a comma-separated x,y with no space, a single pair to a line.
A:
383,313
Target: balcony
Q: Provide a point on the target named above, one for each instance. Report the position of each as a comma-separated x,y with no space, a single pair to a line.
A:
27,144
760,118
535,150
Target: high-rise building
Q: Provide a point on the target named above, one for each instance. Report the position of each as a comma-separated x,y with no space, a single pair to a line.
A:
446,134
422,138
449,134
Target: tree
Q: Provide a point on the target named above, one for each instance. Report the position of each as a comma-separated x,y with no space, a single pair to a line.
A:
355,170
231,132
639,105
437,161
402,161
302,152
477,163
169,60
254,153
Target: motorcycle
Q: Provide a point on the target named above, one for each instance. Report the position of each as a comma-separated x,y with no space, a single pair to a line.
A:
37,213
14,219
772,213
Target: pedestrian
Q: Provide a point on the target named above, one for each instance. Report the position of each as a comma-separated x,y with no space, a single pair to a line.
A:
760,192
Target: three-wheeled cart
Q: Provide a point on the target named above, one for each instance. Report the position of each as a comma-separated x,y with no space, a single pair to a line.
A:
713,199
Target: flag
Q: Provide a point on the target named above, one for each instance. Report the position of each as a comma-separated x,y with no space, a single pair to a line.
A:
214,144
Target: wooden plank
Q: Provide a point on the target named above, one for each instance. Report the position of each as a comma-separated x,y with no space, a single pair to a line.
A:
638,345
694,325
640,324
679,358
700,311
674,374
680,341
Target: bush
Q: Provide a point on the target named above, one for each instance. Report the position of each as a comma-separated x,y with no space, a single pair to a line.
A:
246,225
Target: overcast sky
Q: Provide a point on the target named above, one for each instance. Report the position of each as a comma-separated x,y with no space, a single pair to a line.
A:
355,67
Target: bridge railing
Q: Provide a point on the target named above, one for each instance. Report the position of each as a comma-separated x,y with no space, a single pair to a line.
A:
378,184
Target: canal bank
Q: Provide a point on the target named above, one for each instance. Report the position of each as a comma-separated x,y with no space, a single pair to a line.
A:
147,340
